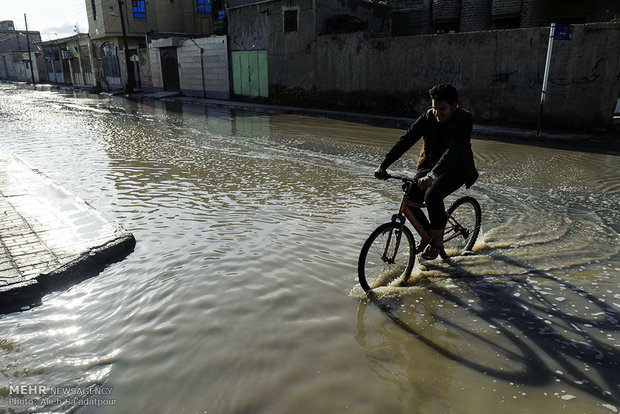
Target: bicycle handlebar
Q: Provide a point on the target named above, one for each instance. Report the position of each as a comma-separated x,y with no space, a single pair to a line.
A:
400,177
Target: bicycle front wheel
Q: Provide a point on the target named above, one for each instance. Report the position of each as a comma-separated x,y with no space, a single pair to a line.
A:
463,226
387,256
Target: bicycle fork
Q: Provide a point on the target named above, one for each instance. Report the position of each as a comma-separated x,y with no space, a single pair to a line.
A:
396,218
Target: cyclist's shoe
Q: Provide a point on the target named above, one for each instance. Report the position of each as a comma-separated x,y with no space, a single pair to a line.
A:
431,252
421,247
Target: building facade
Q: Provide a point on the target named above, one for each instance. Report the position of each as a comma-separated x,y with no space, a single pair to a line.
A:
15,63
68,61
194,17
268,38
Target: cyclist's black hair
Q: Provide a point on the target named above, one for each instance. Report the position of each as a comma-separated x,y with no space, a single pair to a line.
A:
444,92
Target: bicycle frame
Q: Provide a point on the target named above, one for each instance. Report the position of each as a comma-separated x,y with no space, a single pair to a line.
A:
405,211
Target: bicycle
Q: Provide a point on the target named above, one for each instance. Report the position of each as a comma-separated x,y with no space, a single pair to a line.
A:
386,256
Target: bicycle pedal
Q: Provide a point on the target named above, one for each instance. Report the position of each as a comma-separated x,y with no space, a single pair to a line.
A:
421,247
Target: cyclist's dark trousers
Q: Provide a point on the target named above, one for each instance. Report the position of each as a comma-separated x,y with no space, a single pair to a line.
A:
433,196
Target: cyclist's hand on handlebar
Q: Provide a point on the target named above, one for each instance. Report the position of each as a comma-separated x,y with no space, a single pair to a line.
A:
425,182
381,174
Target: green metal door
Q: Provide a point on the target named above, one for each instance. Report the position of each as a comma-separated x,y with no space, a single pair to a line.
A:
250,73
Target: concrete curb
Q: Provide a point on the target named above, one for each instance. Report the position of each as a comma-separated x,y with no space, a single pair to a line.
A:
48,236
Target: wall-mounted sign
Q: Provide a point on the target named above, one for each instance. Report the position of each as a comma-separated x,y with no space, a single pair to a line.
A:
563,31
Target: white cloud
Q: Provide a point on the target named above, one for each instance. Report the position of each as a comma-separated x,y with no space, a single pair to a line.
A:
53,18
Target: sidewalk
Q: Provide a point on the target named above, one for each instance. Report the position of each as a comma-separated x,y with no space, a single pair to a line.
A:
604,142
48,236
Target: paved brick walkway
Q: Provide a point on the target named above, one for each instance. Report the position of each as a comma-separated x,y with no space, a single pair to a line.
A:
48,236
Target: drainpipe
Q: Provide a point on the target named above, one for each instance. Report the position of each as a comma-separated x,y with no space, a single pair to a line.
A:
202,68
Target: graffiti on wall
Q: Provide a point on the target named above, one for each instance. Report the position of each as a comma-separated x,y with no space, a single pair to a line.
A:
529,78
448,71
521,80
593,76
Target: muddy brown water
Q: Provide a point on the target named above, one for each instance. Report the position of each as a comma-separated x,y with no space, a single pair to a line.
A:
241,295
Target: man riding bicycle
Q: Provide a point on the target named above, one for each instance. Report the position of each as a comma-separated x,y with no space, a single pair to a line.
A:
446,160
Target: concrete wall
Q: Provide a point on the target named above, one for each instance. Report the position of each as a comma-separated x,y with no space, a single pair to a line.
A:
499,73
213,70
7,71
12,67
260,27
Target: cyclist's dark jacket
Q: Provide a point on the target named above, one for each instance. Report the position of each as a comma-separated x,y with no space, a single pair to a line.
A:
446,146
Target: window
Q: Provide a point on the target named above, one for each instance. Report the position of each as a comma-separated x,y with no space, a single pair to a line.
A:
139,9
204,6
290,20
92,3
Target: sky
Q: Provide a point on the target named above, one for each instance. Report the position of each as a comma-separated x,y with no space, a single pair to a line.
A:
53,18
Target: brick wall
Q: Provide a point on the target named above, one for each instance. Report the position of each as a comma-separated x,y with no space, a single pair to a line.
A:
446,10
475,15
531,13
505,8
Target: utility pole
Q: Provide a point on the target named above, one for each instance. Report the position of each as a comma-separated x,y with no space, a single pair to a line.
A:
130,77
29,56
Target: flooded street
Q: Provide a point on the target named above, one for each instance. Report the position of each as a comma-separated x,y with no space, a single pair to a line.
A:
241,295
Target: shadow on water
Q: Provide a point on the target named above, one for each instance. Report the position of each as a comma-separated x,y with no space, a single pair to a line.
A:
534,331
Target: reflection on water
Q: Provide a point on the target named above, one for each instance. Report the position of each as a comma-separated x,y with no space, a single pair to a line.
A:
241,294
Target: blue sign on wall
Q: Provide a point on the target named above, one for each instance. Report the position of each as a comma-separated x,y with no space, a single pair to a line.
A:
563,32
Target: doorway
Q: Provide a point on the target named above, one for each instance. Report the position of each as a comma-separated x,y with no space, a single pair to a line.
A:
170,68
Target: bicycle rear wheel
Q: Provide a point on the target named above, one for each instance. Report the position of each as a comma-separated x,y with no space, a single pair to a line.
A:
463,226
386,256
